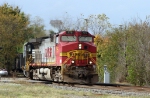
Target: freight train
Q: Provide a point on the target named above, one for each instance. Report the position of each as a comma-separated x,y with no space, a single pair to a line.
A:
68,56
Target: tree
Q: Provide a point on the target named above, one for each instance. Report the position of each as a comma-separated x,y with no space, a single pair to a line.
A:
127,54
97,24
37,27
14,31
138,52
102,46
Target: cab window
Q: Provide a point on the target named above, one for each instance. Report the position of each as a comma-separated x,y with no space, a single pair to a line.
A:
68,38
85,39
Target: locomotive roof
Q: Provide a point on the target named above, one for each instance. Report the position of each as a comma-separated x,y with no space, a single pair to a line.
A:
37,41
82,33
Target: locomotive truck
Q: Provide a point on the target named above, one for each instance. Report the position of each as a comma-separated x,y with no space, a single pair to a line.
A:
68,56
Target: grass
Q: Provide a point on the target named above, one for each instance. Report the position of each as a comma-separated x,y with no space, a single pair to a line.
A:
36,90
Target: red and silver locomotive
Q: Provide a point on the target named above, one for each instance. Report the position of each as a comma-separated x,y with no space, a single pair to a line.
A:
69,56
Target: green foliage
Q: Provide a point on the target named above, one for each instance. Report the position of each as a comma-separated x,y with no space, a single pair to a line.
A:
13,32
127,53
109,50
107,56
138,53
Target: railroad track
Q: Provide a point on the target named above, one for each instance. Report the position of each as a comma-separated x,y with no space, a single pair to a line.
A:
122,90
117,87
99,88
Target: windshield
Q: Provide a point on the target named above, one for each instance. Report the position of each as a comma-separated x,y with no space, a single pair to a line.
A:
68,38
85,39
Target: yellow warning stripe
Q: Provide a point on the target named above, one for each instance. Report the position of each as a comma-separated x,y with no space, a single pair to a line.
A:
80,52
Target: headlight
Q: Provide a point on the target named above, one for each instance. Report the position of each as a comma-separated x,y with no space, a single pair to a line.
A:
72,61
90,62
80,46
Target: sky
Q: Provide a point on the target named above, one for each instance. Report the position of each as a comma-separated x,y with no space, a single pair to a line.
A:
118,11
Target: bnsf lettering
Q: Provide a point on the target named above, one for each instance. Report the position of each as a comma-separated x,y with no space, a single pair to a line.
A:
85,55
48,52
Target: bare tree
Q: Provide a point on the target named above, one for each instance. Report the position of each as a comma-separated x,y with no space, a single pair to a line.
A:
98,24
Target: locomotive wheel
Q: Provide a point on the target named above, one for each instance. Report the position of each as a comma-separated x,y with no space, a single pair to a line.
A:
57,76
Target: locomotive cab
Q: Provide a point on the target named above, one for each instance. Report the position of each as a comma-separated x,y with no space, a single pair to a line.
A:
77,56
